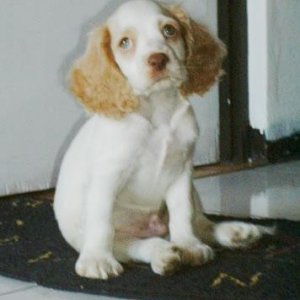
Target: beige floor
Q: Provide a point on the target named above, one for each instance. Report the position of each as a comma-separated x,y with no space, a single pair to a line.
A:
268,192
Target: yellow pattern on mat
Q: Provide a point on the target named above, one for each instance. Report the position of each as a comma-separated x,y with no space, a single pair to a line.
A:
12,239
223,276
34,203
45,256
19,222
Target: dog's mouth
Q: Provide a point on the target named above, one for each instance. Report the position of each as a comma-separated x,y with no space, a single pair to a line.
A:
172,78
161,84
160,78
171,81
171,72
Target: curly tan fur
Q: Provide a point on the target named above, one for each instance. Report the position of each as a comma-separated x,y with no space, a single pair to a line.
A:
100,86
97,81
204,54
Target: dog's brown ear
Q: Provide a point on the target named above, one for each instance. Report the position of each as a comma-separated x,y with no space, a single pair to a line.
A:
97,81
204,57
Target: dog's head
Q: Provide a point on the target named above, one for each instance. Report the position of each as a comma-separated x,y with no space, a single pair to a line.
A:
145,47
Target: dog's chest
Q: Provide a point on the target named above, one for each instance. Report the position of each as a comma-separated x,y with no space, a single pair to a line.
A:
163,157
165,151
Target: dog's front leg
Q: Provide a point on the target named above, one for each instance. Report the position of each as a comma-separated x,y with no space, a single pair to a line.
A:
181,212
96,259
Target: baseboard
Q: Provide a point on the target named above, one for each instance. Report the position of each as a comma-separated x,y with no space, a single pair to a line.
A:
260,153
224,168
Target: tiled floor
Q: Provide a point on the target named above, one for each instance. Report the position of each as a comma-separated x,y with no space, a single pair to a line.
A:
268,192
17,290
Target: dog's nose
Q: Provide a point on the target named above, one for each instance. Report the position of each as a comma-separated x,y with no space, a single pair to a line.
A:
158,61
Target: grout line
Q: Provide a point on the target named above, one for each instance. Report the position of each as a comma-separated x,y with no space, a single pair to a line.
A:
19,290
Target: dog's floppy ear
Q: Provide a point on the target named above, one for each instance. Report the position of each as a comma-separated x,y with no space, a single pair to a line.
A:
97,81
204,56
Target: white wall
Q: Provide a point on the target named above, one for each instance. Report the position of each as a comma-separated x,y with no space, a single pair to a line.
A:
274,66
38,41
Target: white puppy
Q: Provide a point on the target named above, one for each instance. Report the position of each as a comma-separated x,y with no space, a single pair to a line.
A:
125,188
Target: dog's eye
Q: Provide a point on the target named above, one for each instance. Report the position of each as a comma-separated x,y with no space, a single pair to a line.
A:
125,43
169,31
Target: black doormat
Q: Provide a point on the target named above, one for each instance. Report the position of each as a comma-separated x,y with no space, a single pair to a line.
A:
32,249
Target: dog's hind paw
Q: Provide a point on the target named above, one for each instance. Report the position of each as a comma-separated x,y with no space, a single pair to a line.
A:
239,234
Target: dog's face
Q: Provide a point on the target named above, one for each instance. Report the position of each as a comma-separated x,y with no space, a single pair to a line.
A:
148,46
142,48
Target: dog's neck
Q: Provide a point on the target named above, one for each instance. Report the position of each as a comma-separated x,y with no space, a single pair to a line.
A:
160,106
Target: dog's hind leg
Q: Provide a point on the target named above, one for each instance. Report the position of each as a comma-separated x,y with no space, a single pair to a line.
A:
163,256
230,234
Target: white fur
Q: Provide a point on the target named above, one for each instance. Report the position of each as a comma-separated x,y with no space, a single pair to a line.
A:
118,172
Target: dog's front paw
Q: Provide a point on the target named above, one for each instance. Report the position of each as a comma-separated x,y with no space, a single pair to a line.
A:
166,260
237,234
102,267
195,253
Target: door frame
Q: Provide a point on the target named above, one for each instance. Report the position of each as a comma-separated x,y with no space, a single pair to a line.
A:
234,102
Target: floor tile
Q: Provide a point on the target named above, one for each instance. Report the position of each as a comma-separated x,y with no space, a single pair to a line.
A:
8,285
40,293
266,192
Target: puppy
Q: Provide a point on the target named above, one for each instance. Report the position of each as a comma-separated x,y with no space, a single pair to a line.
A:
125,190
